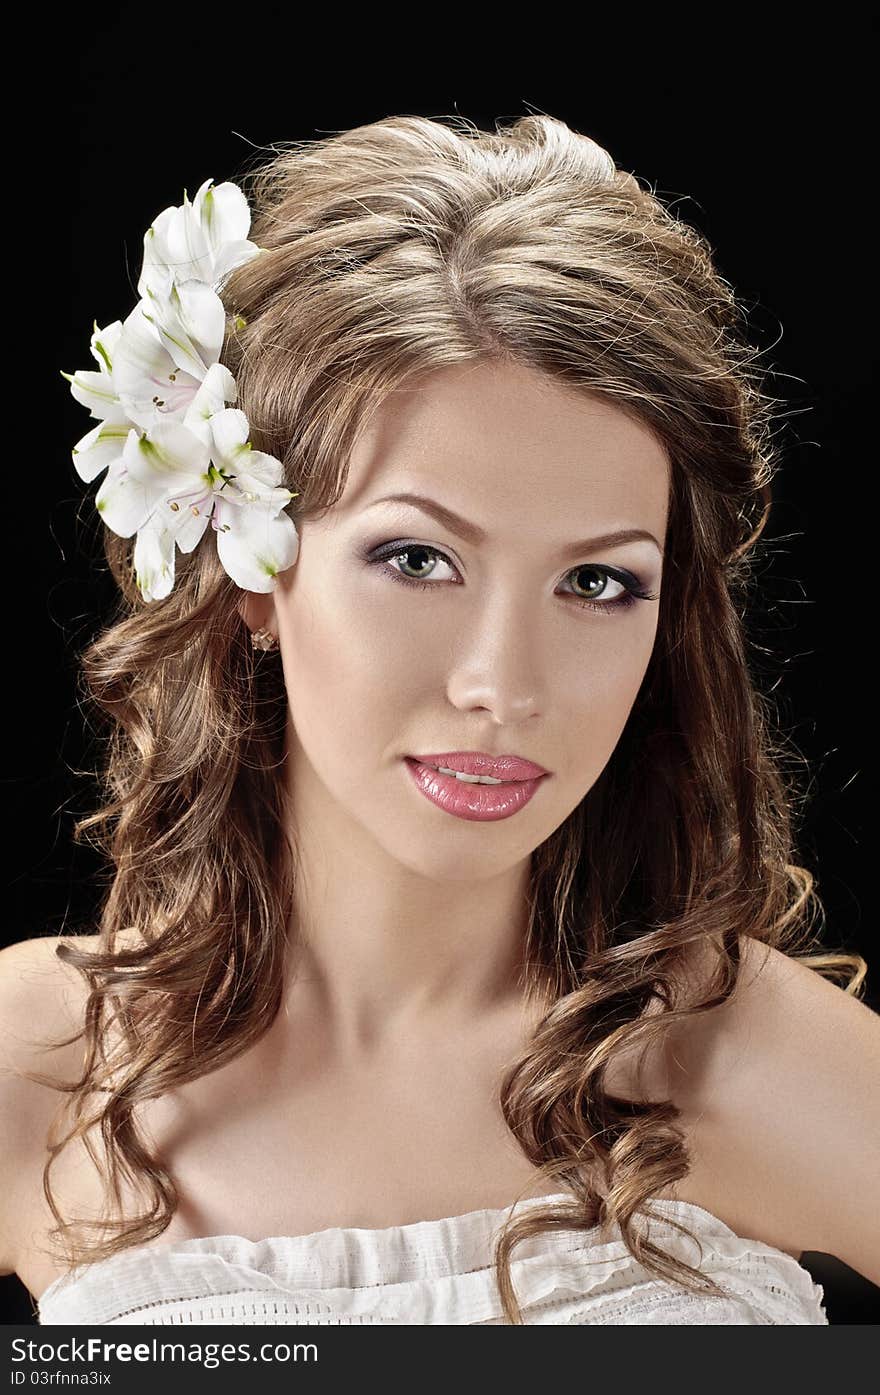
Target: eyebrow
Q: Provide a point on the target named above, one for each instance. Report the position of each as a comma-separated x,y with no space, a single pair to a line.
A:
473,534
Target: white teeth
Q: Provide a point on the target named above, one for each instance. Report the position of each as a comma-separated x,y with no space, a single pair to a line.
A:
469,779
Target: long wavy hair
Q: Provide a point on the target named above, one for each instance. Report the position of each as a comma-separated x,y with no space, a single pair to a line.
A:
392,250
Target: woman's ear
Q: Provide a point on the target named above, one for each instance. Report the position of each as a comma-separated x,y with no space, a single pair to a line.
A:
257,611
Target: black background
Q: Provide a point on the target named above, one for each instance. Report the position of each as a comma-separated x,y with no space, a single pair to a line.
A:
760,139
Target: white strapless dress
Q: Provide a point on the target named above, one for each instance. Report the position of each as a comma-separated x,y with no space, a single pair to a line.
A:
438,1272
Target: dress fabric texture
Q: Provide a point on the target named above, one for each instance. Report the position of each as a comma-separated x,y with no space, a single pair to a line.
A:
440,1272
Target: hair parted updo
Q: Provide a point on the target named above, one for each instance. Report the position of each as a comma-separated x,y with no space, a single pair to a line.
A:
392,250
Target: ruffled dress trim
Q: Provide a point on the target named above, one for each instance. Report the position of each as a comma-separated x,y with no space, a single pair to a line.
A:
440,1272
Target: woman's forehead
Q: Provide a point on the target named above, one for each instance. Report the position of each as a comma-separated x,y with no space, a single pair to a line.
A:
487,437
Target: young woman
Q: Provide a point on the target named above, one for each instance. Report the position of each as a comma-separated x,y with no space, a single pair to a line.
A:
457,965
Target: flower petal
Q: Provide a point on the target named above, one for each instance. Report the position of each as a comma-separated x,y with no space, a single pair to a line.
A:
260,474
186,523
218,388
272,499
224,216
230,429
192,529
155,274
223,213
232,255
154,560
202,314
254,545
96,391
167,457
155,282
175,240
190,323
103,343
255,471
99,448
126,503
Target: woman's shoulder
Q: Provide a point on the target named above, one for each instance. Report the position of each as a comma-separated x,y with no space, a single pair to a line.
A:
33,974
42,1001
42,1011
780,1082
39,996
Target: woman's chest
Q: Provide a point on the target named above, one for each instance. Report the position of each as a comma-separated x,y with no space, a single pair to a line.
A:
259,1148
254,1151
373,1148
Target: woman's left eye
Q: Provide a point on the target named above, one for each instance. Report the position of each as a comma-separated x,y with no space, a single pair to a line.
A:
630,588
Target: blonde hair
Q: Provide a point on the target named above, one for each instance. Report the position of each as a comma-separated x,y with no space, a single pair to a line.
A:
392,250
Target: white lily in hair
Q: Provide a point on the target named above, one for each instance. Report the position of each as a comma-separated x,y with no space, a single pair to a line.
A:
176,455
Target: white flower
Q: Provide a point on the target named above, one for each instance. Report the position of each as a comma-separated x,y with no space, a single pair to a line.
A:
200,241
177,457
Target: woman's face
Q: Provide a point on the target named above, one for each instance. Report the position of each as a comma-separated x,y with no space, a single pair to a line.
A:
495,651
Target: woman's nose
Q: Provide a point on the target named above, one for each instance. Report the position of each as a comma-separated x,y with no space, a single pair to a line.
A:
498,665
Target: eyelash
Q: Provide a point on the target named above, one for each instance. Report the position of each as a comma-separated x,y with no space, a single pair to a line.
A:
634,590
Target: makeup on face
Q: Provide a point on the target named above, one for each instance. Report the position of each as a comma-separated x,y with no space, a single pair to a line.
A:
634,587
466,797
487,583
474,785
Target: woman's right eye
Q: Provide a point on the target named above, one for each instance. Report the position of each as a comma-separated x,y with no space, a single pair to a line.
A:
416,557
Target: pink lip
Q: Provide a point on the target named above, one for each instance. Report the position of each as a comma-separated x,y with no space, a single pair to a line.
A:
471,801
478,763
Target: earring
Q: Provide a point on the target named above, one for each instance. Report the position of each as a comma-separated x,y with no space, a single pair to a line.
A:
264,639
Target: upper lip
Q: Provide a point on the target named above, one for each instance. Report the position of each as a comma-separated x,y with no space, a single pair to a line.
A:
506,767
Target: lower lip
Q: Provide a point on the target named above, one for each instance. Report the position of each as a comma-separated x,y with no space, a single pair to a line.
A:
471,801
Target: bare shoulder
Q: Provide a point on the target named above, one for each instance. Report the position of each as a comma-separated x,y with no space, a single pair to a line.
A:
42,1002
782,1081
41,997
